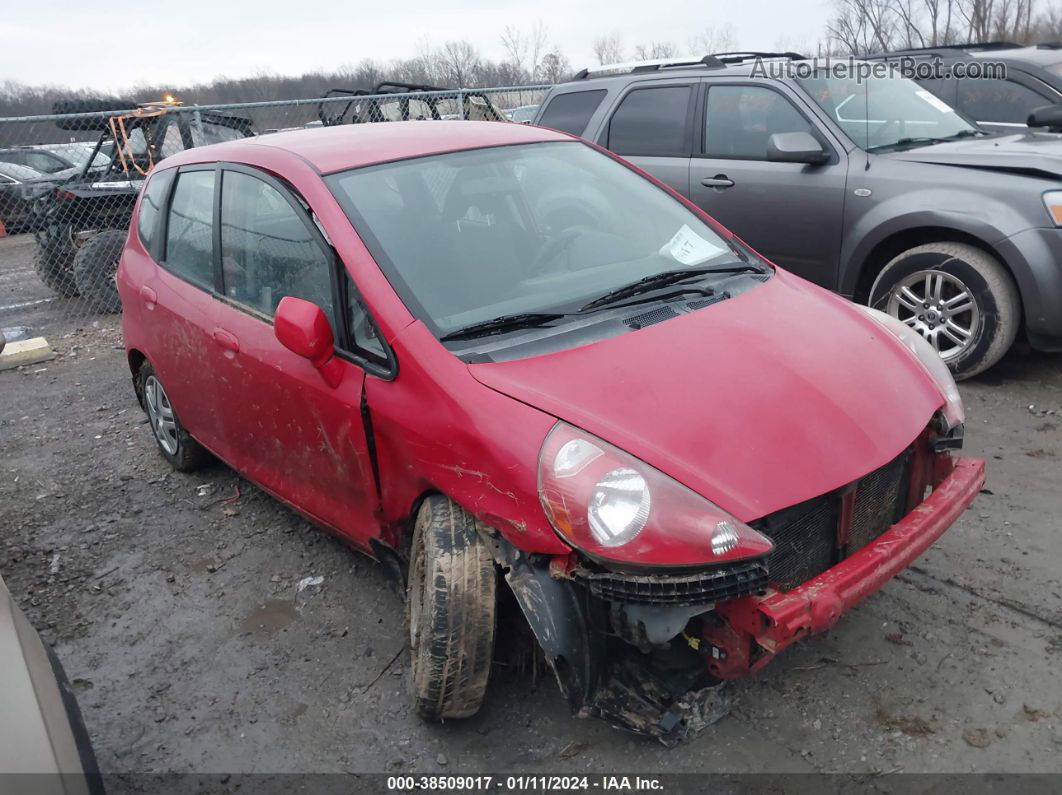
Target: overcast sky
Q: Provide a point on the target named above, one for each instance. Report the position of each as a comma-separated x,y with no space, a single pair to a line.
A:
93,44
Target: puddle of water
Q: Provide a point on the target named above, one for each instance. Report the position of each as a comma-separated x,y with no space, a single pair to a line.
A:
270,617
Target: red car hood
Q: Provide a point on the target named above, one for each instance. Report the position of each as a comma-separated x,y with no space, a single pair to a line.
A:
770,398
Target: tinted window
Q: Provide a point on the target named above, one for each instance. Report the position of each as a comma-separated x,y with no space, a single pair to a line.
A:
154,195
189,231
267,251
998,100
571,112
651,121
740,119
43,162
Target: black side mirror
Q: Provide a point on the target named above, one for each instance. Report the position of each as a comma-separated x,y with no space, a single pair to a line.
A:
795,147
1049,116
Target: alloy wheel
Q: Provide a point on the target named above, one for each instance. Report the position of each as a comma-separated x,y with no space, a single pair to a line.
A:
160,412
940,307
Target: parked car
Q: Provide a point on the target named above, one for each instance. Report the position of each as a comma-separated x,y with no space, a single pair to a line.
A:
906,206
522,114
20,187
40,160
1033,80
475,347
43,741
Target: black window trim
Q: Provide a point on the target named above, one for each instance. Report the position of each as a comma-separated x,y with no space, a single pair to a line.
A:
344,341
816,128
691,110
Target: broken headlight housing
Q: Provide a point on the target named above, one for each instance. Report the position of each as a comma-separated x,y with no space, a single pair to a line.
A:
953,412
613,507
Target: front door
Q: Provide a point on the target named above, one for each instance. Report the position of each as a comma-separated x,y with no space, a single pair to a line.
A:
284,426
791,213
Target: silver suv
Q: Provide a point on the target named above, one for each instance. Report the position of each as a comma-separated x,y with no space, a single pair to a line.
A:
869,185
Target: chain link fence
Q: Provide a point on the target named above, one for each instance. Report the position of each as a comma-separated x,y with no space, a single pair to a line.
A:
68,182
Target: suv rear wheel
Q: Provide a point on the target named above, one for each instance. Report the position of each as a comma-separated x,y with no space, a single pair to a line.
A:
959,298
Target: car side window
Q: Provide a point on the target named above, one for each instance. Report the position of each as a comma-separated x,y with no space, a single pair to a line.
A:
571,112
267,249
740,119
151,205
190,229
363,335
998,100
652,122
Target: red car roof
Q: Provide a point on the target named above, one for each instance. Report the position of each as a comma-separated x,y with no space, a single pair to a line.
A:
350,145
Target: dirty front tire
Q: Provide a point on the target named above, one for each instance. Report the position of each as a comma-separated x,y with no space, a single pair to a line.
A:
53,262
175,444
995,312
451,604
95,265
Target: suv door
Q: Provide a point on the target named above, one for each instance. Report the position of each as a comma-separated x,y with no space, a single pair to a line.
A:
285,427
790,212
651,126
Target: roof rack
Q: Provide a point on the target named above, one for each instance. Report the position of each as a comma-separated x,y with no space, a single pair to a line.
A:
954,50
740,57
1049,45
631,67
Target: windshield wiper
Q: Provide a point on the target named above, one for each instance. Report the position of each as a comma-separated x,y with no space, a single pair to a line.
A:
665,279
501,325
927,140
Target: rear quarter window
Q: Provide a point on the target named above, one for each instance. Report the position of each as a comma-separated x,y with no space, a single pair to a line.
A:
571,112
190,229
150,206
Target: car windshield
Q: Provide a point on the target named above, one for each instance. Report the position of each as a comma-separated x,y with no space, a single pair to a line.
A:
475,235
885,112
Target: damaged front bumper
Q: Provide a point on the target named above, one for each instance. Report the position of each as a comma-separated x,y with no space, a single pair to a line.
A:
647,652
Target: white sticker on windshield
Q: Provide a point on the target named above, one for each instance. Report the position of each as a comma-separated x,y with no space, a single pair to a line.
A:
935,101
689,248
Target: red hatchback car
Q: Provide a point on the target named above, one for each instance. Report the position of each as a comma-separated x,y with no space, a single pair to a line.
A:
478,349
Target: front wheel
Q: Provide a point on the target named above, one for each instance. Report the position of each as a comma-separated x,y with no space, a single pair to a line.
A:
961,299
95,266
450,612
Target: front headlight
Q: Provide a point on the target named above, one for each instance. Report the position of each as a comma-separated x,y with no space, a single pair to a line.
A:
612,506
954,412
1053,203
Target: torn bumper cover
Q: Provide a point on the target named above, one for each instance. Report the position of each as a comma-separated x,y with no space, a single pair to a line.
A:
755,628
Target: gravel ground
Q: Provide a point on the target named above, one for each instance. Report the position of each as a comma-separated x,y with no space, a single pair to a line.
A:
174,603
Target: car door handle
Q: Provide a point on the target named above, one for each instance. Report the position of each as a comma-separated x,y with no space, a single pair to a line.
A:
226,340
148,296
718,181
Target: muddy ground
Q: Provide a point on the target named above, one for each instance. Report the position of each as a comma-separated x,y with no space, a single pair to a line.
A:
173,601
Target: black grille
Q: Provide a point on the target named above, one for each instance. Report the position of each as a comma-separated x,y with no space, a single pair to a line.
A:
658,315
805,536
700,588
805,540
701,303
881,498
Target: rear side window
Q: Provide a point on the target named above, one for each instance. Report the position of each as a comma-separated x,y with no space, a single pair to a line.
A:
150,206
189,230
652,121
998,100
740,119
571,112
267,251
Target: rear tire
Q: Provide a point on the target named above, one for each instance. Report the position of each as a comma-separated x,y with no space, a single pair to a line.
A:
53,262
957,296
175,444
95,265
450,612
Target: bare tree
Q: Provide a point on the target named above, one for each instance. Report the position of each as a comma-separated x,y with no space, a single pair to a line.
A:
709,40
536,46
459,62
654,49
608,49
554,67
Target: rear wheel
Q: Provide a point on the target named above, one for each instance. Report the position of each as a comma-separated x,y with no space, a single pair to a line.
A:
54,260
95,265
450,611
961,299
175,444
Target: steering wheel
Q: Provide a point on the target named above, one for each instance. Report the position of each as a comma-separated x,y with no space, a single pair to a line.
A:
551,248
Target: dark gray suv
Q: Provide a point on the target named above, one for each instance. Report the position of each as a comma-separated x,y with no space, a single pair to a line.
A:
875,188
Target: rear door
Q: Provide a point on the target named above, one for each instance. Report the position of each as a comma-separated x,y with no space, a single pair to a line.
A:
651,125
284,426
790,212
